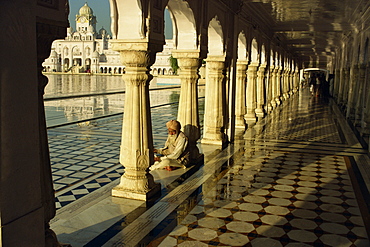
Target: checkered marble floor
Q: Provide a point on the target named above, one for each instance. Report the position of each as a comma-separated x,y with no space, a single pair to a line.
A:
277,199
298,195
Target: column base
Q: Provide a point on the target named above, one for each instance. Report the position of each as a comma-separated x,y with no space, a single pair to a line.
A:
260,113
269,108
240,123
213,141
121,192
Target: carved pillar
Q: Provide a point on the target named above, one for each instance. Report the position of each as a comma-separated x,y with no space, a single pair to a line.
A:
293,82
45,37
336,84
360,100
215,106
136,153
273,73
352,92
269,101
250,116
260,91
366,114
347,76
286,84
279,82
240,97
188,116
341,87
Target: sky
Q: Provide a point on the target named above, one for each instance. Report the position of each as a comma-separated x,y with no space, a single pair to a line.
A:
101,10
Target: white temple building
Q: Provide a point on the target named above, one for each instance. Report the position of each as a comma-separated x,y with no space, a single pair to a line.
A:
86,51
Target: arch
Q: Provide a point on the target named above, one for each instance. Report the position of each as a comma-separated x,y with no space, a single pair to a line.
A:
242,46
101,70
119,70
272,58
155,72
263,55
131,23
254,51
159,71
184,25
164,71
215,37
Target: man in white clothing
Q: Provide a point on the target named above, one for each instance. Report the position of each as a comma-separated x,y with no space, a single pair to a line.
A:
175,152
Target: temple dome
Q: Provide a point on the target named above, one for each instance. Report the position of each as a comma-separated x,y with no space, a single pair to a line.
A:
86,10
95,54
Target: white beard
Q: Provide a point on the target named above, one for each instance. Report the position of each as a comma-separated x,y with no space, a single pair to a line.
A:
172,139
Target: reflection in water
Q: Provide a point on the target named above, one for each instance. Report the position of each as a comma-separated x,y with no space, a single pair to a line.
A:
60,111
72,84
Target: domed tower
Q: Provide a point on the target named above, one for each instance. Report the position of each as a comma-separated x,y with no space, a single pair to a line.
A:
103,35
86,20
95,62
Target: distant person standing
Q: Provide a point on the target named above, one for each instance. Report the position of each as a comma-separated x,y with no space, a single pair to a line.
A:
313,84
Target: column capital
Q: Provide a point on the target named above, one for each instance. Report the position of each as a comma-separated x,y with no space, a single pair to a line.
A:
242,62
195,54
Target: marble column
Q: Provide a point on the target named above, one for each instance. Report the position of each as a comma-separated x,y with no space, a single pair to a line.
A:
44,41
293,82
279,79
271,82
136,153
366,111
215,105
273,72
286,84
27,201
250,116
240,97
360,100
188,116
260,91
352,92
341,87
347,76
336,84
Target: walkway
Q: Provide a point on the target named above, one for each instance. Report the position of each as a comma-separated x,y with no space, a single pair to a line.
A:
294,179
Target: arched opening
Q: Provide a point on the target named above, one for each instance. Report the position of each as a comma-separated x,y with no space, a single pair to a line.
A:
254,51
184,25
263,55
242,46
215,37
88,65
66,64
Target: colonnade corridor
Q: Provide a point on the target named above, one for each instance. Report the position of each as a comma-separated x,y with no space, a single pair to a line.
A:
299,177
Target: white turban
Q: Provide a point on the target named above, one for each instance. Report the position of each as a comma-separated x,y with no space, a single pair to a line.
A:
173,124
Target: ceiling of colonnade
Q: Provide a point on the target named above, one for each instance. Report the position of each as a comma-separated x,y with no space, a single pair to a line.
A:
314,27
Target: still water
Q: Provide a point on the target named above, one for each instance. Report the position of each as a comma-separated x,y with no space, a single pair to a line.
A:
70,98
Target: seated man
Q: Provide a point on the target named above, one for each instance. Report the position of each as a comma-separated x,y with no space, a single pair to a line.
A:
175,152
